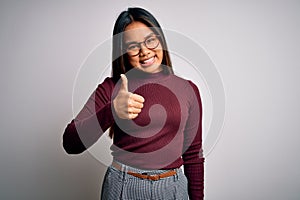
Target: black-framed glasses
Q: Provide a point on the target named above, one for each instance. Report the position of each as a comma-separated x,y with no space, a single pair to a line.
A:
134,48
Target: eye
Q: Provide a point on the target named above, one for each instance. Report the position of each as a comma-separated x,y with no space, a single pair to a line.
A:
133,47
151,40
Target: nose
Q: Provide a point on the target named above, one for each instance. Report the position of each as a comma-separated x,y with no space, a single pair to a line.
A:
144,50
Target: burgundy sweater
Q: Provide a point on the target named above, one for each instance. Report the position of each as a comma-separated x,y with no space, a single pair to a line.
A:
166,134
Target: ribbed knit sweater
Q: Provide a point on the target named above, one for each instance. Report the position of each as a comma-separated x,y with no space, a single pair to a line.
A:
166,134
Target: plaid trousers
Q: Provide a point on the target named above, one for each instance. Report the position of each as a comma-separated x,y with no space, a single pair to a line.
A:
120,185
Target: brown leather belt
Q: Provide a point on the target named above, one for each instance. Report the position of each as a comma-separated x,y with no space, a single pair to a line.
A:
145,176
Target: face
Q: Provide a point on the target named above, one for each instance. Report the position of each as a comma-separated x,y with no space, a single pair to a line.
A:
138,35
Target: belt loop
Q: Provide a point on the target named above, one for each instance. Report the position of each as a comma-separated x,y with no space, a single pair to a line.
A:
176,177
125,170
122,167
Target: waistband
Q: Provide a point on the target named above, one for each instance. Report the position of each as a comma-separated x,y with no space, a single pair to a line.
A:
145,174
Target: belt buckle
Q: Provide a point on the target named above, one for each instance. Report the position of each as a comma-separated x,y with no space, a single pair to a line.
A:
153,177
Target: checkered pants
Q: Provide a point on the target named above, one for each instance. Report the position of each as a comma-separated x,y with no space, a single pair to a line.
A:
120,185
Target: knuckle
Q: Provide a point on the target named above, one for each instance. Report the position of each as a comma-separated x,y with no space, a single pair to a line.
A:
131,116
129,102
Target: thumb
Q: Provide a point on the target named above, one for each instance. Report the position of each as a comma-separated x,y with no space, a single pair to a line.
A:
124,84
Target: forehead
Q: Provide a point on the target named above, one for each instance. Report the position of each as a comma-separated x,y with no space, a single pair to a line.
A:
136,31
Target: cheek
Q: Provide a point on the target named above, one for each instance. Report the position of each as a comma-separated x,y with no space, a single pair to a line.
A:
134,61
160,54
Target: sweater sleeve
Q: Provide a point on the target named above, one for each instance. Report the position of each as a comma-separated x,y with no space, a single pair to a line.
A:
92,121
193,157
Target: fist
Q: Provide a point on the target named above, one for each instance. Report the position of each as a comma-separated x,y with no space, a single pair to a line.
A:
126,104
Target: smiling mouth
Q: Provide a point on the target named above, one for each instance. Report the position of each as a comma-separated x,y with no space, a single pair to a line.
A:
148,62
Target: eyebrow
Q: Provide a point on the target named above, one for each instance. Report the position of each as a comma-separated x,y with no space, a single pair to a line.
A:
134,42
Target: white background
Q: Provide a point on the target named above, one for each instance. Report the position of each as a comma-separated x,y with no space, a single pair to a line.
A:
254,44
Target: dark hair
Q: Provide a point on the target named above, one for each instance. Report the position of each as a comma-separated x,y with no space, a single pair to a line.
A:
120,64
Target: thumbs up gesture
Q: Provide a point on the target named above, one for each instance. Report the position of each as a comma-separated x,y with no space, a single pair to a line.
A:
126,104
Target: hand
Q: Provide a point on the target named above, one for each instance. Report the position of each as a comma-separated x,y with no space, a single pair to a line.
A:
126,104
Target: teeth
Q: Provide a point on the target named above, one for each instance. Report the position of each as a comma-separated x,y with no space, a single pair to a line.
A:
148,61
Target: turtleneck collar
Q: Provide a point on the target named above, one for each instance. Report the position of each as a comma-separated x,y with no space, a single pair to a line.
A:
135,73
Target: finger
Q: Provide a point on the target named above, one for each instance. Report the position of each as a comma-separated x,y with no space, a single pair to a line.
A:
132,115
137,98
135,104
134,110
124,84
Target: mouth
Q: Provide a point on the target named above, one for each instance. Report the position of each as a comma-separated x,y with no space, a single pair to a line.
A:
148,62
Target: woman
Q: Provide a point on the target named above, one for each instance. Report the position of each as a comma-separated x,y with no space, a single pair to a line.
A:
154,118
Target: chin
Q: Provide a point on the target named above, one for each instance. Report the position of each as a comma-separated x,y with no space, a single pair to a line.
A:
151,69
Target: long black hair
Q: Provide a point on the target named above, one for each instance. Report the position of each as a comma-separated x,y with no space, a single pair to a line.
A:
120,64
119,59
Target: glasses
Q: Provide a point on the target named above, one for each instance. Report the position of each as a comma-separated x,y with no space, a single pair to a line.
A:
134,48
